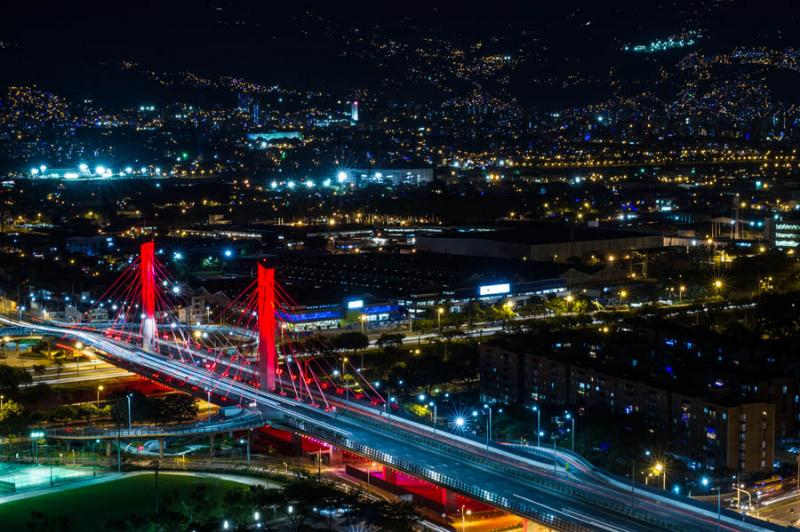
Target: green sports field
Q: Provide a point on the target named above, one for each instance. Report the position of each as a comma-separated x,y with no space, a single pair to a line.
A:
91,507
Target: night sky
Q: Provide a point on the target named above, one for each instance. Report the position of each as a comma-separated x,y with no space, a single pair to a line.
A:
68,46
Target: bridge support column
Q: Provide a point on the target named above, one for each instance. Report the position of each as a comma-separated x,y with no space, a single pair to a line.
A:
267,354
335,457
160,449
524,525
389,475
449,501
147,274
108,448
211,446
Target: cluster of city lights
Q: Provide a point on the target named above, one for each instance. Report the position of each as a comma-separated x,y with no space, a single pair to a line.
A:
83,171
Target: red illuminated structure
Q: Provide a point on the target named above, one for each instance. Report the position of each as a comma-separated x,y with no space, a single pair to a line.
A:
148,279
267,354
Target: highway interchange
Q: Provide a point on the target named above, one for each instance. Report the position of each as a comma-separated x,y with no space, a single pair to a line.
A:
578,499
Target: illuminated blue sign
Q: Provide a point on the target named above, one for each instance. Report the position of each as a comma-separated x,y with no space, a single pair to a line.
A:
355,304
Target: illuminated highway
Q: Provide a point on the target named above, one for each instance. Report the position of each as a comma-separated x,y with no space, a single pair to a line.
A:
533,487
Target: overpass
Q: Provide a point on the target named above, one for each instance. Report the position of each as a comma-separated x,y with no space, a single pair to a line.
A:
246,420
553,488
540,487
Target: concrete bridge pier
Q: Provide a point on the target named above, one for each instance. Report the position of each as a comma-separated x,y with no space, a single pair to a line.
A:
211,446
449,501
389,475
160,449
335,456
108,448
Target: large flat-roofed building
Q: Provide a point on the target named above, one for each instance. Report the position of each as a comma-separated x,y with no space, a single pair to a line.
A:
786,233
537,242
387,176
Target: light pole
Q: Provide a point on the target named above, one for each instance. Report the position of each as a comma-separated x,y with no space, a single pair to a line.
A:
439,312
128,397
681,290
463,518
208,412
344,381
555,455
1,401
363,320
572,431
538,425
99,389
660,469
739,491
435,415
488,426
705,482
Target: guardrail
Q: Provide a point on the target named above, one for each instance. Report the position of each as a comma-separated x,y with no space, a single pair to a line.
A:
553,485
249,421
542,516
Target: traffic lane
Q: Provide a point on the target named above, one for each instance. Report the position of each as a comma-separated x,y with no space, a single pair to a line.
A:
125,354
599,487
491,480
416,453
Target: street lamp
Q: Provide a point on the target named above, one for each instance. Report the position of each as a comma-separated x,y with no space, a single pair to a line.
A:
128,397
463,519
439,312
344,381
208,392
705,482
681,290
718,285
488,426
435,415
572,431
99,389
363,320
538,425
660,469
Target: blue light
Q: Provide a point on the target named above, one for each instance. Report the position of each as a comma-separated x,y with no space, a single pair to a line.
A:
228,253
704,481
177,255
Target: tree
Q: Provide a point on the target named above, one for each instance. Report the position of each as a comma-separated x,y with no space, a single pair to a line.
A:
12,416
351,340
12,378
387,339
173,407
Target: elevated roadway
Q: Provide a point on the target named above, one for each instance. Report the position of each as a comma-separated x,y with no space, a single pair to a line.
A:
538,487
